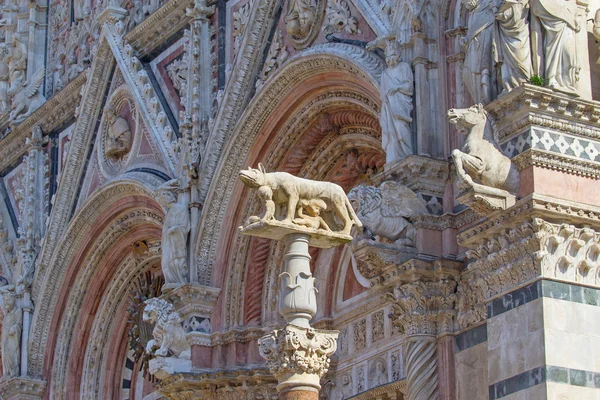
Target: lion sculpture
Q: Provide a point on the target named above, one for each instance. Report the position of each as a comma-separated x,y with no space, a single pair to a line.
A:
284,194
386,210
168,333
481,162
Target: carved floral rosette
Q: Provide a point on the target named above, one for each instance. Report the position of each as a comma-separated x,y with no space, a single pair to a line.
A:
298,356
425,308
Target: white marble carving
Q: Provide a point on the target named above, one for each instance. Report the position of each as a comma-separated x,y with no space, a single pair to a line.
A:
385,212
118,142
397,87
553,29
11,333
480,165
176,228
339,18
169,335
300,201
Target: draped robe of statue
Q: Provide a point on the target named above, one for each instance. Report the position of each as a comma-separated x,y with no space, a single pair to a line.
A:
514,49
11,336
174,247
480,52
553,29
396,99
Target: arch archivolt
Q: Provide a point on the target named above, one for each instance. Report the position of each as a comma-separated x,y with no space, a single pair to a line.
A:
356,69
93,275
121,209
109,318
307,134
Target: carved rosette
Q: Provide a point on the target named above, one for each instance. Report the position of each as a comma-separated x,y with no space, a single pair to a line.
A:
425,308
298,357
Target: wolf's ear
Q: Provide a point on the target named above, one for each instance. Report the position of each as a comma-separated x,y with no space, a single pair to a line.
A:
261,168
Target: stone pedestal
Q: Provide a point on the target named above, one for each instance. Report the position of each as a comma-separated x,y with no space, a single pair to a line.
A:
298,355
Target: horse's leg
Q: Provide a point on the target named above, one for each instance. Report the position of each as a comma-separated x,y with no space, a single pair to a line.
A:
457,156
473,165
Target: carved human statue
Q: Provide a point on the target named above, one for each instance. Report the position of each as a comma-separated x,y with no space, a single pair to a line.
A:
118,141
397,86
300,16
176,228
11,332
596,29
4,79
478,67
553,29
17,62
513,45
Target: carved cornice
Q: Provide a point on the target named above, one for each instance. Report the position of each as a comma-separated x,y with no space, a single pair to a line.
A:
54,113
253,381
160,26
533,206
379,392
193,299
20,388
532,105
421,174
520,251
557,162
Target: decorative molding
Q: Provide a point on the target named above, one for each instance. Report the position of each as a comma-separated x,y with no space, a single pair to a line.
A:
53,114
298,356
160,26
22,387
529,105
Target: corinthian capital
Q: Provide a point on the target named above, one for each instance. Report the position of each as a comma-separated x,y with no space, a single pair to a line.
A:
298,356
425,308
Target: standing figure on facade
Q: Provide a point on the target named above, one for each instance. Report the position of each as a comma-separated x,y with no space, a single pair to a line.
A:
11,332
176,228
553,29
17,62
514,49
4,80
397,85
596,30
479,49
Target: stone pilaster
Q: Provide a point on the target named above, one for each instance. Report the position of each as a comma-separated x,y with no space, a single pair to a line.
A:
423,309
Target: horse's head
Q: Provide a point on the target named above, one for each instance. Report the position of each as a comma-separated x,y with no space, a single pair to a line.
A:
466,118
253,177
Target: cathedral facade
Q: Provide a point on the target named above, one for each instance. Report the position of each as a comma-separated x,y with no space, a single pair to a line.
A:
300,199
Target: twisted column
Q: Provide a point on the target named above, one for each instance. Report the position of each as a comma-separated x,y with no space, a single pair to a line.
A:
424,310
421,367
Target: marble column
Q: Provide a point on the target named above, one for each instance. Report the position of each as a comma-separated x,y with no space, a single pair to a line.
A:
424,309
297,354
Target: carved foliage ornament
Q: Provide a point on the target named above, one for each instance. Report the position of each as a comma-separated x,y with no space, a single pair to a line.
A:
425,307
293,350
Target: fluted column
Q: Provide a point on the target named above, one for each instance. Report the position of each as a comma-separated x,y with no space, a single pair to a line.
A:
422,310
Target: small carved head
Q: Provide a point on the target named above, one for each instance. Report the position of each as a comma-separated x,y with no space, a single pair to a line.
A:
252,177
